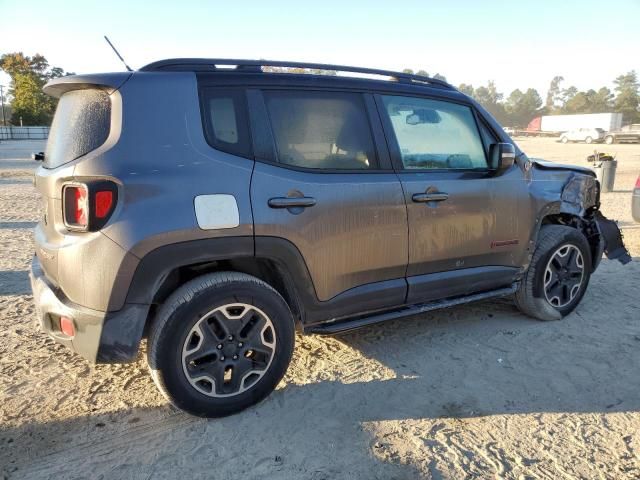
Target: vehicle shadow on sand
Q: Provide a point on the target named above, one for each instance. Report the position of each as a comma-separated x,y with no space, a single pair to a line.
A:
14,282
464,362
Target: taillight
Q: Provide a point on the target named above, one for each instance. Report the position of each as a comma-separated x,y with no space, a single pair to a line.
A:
76,206
88,206
81,207
104,202
638,182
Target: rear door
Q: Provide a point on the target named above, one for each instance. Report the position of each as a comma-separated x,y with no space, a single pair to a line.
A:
328,187
463,222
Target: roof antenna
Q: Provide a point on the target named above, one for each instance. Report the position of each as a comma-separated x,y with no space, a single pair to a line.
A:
119,56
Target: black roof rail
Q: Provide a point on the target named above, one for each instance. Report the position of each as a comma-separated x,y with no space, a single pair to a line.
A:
211,65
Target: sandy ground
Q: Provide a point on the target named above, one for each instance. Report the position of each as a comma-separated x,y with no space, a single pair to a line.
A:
478,391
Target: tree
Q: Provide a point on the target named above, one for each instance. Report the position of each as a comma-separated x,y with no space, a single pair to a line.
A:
522,107
576,103
466,89
424,73
628,97
553,95
587,102
28,76
602,101
565,96
491,99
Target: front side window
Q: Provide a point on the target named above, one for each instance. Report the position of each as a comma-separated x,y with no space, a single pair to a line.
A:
433,134
225,120
321,130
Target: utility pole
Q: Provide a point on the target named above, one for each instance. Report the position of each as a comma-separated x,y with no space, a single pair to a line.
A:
4,119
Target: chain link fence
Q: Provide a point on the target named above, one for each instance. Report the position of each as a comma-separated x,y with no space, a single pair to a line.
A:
24,133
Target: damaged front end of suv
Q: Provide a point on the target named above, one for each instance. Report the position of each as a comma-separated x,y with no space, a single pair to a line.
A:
570,195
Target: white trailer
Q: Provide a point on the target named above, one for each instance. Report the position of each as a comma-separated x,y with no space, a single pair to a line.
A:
564,123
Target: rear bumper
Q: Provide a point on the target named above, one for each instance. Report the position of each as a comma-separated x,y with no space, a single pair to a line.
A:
100,337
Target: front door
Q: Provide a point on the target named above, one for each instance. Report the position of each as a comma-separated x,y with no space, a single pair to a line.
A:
328,195
463,222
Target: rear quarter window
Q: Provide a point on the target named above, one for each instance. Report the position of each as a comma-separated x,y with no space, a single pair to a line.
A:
81,124
225,119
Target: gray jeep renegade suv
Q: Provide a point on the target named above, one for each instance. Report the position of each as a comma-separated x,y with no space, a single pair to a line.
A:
216,206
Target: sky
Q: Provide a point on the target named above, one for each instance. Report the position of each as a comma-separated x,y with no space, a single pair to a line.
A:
517,44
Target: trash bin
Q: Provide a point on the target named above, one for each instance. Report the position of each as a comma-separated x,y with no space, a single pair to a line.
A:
605,168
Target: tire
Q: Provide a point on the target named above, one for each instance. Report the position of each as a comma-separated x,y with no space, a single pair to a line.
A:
564,140
608,139
211,327
588,140
538,299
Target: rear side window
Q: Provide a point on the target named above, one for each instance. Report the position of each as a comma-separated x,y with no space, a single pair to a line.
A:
81,124
321,130
433,134
225,120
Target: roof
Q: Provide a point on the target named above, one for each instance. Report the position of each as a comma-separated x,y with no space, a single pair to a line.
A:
226,65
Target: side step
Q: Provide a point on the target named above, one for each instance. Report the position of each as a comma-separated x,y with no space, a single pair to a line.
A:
348,324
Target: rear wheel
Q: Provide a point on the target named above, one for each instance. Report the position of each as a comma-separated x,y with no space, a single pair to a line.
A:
558,275
608,139
588,140
221,343
564,139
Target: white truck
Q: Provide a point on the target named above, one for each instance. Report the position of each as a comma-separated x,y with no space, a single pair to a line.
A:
555,125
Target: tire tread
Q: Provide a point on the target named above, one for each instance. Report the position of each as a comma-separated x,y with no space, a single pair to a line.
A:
183,295
550,236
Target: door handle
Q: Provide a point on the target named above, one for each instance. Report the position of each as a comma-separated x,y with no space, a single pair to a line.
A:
291,202
429,197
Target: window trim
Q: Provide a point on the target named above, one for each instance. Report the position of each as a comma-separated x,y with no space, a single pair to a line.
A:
242,119
394,146
481,123
378,140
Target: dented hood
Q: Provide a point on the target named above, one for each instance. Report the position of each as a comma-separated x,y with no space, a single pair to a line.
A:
546,165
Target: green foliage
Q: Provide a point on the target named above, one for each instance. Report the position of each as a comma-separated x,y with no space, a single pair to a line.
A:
588,102
553,95
424,73
628,96
489,98
522,107
28,76
466,89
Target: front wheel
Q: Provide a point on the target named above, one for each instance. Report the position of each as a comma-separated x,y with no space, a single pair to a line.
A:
558,275
564,140
220,344
588,140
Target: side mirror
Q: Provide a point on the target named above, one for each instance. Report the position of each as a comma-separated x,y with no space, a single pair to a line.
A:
501,156
38,157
